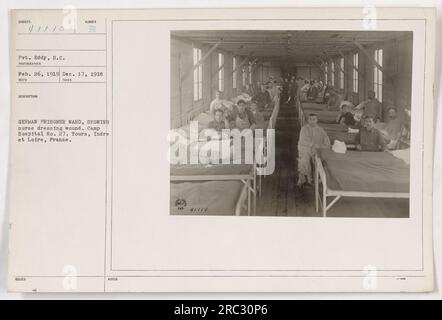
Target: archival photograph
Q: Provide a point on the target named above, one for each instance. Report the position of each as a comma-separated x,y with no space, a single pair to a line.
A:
237,150
290,123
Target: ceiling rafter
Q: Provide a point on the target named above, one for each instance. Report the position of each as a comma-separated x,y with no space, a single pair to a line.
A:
289,45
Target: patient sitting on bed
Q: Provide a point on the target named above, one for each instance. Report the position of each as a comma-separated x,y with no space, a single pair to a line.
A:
219,122
334,101
369,138
345,117
241,117
391,129
311,138
257,115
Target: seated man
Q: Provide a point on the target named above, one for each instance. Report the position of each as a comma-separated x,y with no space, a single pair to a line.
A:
372,107
273,90
357,116
247,90
334,100
346,102
311,138
219,122
391,129
369,138
242,118
216,103
313,92
345,117
257,115
263,98
256,88
326,91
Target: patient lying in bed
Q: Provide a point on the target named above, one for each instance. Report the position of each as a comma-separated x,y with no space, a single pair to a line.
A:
346,117
311,138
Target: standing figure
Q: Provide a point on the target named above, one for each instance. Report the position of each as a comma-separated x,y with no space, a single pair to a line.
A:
311,138
372,107
262,98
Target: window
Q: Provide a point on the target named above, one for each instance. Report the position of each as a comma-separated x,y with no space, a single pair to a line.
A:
250,73
244,77
355,72
333,73
377,79
341,73
326,73
234,73
197,75
221,72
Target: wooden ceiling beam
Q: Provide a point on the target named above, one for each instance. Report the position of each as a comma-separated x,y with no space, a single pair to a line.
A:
208,53
369,56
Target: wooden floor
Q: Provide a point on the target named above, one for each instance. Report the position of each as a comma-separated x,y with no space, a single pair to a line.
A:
281,196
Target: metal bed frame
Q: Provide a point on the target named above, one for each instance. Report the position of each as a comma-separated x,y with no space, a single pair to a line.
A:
271,125
321,199
249,180
253,186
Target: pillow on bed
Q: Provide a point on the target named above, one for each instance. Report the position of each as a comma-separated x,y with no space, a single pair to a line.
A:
339,147
184,131
213,150
351,130
228,104
203,121
403,154
244,96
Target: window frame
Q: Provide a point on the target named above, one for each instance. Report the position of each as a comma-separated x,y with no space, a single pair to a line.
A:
244,76
378,81
355,76
221,84
326,73
197,74
342,73
234,73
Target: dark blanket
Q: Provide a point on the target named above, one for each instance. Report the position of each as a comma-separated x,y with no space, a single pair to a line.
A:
348,138
206,170
365,171
205,197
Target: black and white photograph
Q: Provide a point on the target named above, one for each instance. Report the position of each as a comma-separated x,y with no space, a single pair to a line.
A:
290,123
219,150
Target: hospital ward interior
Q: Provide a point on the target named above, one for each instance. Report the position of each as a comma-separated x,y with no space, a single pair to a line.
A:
328,114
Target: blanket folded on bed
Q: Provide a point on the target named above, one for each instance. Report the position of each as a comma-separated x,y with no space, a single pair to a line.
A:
339,147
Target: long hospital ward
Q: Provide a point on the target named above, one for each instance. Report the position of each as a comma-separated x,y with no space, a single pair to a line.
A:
290,123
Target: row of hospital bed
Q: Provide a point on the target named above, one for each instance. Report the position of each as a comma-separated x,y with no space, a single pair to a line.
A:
219,189
327,120
354,173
